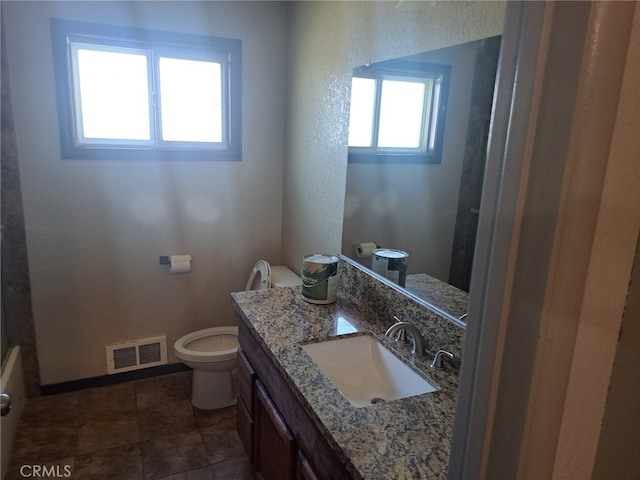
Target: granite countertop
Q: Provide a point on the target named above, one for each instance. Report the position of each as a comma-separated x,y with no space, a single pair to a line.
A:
444,296
405,438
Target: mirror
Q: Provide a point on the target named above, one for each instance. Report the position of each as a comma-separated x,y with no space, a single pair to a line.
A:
430,210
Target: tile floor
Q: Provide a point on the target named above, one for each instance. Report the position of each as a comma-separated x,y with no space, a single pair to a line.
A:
139,430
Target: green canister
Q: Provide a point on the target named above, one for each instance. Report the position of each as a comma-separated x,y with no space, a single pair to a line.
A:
320,278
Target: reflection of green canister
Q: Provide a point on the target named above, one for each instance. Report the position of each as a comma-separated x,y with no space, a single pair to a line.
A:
391,264
320,278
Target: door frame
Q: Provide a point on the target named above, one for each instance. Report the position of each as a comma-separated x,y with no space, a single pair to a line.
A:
539,253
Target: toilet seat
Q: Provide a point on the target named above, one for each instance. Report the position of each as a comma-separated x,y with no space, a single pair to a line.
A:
265,276
221,341
263,269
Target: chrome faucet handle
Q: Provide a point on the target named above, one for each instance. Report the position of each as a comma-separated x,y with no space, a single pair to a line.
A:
437,358
395,330
402,333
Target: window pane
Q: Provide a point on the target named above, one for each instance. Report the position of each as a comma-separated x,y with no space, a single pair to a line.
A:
114,98
361,112
401,113
191,93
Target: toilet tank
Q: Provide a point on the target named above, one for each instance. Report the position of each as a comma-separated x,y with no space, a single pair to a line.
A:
283,277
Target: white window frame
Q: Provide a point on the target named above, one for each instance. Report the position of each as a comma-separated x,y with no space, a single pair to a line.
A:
69,36
79,137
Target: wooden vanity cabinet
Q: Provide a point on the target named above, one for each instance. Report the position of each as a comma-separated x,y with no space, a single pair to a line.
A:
279,435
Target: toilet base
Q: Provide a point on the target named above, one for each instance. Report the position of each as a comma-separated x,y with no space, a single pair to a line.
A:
212,390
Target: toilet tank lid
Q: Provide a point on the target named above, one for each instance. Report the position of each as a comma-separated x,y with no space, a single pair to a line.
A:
283,277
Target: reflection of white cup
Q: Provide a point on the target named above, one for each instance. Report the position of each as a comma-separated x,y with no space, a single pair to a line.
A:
391,264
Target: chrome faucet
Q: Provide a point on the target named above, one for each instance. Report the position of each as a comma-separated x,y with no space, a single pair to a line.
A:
437,358
401,334
416,337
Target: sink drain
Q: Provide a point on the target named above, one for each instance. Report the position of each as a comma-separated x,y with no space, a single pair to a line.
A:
375,400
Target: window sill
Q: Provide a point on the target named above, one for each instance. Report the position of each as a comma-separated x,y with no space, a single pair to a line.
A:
394,158
89,153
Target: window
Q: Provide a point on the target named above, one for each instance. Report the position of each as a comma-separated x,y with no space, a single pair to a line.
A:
129,93
397,112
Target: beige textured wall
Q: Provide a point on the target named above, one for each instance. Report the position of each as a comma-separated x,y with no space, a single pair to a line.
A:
326,40
95,229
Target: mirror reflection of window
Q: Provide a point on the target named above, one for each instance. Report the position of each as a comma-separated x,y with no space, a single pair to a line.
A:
427,209
361,113
397,112
403,114
344,326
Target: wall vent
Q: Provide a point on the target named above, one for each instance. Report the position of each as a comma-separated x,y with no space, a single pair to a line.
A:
138,354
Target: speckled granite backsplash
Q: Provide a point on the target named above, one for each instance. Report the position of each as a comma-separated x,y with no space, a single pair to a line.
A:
439,332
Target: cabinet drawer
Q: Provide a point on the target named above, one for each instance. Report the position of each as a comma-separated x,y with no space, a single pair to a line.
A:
245,428
246,378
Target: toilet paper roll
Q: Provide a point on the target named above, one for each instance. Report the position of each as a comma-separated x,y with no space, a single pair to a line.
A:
365,249
180,264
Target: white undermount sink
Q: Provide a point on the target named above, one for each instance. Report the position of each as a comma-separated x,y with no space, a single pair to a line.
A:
365,371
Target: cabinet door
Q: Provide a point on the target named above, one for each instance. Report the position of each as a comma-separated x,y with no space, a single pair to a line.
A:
245,428
304,471
275,448
246,378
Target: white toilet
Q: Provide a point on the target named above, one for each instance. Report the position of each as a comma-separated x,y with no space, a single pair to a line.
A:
264,276
212,352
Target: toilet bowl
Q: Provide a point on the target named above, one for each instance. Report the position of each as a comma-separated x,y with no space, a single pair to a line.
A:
212,354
